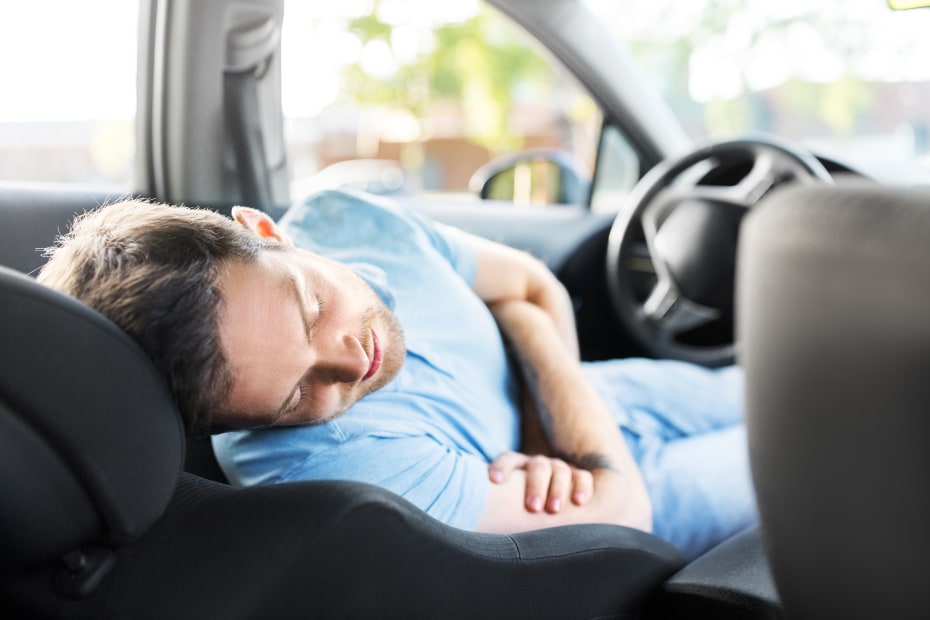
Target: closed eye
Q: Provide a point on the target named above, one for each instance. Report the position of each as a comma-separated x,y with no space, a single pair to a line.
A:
320,308
301,394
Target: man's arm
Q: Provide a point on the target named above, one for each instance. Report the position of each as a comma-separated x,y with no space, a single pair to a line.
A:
506,274
579,428
534,311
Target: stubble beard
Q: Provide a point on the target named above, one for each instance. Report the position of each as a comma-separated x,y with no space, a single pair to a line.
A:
393,345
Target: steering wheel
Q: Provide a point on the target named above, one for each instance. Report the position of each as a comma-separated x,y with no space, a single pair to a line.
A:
671,253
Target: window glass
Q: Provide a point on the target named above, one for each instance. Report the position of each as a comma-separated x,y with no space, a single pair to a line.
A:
68,71
409,96
847,78
618,170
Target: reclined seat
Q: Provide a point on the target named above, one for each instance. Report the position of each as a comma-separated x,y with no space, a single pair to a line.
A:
98,520
835,333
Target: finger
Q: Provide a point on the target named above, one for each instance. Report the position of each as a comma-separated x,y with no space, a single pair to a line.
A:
582,485
501,467
560,485
538,476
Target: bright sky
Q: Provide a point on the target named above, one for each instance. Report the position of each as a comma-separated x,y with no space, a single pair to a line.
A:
87,72
67,60
888,45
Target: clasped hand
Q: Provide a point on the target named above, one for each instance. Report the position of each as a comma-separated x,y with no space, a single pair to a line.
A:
550,481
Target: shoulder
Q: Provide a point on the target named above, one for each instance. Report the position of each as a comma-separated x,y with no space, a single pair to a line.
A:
339,218
338,223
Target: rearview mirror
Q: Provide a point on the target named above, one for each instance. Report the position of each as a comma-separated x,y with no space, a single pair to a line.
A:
902,5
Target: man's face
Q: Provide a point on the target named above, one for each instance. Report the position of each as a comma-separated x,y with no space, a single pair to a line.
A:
305,338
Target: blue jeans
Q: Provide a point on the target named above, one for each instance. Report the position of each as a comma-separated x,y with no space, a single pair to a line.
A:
684,425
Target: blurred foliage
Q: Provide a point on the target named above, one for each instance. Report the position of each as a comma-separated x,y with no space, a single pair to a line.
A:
740,26
476,69
476,66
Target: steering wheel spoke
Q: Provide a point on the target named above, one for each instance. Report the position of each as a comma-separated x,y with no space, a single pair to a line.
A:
764,175
672,314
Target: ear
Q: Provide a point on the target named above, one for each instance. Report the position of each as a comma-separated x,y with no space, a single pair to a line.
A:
260,224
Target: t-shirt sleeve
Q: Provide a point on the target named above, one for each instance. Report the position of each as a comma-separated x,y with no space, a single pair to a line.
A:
452,244
448,485
339,222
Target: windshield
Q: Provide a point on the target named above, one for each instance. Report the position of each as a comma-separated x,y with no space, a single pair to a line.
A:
847,78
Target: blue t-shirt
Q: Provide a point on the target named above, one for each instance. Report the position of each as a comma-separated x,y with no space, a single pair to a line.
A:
430,433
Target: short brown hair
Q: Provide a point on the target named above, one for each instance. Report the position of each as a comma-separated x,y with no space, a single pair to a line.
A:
153,269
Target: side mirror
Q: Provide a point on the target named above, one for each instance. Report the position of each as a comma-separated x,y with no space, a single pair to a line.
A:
533,176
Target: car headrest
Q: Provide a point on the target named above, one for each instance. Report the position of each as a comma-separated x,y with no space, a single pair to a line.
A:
91,442
834,330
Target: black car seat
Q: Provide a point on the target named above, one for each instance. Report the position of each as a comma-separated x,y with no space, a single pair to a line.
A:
834,307
98,520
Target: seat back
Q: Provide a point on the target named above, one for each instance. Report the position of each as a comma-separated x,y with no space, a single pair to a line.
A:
834,325
91,443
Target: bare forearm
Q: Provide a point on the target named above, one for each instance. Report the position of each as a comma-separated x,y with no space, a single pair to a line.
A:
549,295
573,417
505,274
533,436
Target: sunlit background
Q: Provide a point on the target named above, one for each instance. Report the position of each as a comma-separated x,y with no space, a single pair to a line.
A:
425,92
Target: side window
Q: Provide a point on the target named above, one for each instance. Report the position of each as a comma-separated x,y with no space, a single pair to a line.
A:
407,97
68,71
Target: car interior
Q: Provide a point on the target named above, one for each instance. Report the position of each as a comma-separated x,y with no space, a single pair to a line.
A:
809,274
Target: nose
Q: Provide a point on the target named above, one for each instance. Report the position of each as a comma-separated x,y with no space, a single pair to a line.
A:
341,359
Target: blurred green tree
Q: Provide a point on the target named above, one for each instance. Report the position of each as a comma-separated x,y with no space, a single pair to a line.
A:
738,33
476,67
